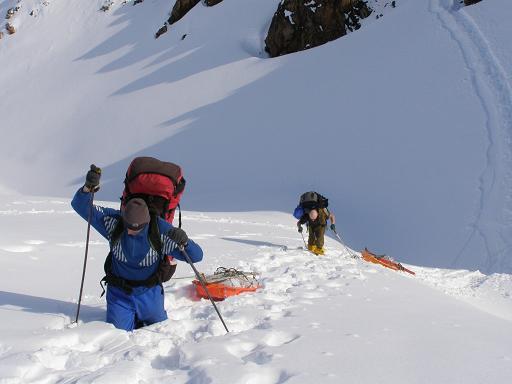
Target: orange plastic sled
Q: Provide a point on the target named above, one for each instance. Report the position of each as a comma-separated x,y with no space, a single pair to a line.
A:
381,259
226,282
219,291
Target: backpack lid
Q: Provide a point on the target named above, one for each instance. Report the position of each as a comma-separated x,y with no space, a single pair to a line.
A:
308,197
141,165
313,200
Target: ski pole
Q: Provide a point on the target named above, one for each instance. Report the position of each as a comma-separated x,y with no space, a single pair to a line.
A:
85,258
352,254
304,241
182,249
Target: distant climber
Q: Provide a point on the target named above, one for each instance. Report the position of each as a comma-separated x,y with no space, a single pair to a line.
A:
312,211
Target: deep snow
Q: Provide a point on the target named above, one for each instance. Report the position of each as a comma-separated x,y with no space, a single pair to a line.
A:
316,319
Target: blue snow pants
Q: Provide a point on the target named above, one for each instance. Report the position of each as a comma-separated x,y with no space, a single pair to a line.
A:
145,305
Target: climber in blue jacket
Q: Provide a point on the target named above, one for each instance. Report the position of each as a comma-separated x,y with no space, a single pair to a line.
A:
135,295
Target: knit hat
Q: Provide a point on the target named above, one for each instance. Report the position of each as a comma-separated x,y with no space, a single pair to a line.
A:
136,214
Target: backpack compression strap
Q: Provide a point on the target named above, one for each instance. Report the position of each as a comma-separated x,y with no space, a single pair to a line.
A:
127,285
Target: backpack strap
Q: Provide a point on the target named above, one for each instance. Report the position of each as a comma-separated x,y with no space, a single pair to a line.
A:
117,232
180,187
154,235
155,242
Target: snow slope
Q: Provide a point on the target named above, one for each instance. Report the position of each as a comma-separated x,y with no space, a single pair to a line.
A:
404,124
324,319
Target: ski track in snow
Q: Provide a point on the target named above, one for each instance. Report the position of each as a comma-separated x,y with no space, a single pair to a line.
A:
495,94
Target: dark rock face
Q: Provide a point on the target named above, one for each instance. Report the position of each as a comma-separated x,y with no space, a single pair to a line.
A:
469,2
180,9
161,31
10,29
303,24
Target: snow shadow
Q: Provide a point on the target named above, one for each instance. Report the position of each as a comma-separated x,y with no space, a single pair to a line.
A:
224,172
255,243
176,55
43,305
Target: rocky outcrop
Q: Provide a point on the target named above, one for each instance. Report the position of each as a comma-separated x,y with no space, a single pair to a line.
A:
107,6
10,29
180,9
303,24
161,31
11,12
469,2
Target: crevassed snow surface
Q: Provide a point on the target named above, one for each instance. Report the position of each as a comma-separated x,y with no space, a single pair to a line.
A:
404,124
316,319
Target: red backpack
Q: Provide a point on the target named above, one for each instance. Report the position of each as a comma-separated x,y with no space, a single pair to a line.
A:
159,183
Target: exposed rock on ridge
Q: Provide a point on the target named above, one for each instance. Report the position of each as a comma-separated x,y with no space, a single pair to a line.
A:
180,9
469,2
303,24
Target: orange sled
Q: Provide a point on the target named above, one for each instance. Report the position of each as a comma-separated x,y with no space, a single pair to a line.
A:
225,283
382,260
219,291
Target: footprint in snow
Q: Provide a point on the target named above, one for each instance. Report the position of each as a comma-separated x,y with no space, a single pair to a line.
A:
333,284
240,348
258,357
168,361
265,375
313,295
278,338
34,242
354,335
17,248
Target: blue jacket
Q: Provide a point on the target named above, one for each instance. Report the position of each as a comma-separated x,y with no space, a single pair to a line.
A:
133,258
